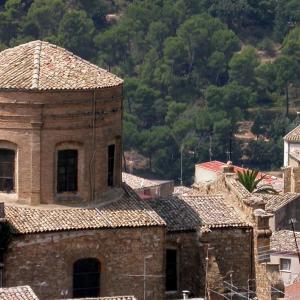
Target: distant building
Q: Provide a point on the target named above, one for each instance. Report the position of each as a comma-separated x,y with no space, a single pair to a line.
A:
284,207
284,252
292,148
209,171
148,188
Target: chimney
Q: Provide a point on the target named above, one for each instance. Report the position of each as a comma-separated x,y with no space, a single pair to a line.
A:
185,294
228,167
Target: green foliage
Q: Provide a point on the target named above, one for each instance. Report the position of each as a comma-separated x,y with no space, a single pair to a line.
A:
242,67
286,16
250,181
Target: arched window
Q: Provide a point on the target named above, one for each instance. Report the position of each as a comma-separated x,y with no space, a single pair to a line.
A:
86,278
67,165
7,170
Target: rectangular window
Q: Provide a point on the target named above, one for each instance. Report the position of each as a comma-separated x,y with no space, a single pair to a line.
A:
67,161
171,270
86,278
7,170
285,264
111,165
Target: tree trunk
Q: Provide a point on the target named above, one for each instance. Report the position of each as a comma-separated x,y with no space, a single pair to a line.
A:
287,100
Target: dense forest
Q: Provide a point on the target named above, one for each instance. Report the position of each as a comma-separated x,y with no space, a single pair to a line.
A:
193,69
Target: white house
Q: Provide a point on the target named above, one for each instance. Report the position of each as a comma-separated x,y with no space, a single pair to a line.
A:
284,252
292,148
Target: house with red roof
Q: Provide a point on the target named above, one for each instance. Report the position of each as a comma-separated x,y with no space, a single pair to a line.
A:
209,171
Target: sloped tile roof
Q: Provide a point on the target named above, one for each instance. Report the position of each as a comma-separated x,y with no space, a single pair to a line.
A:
283,241
293,136
184,190
192,212
237,186
136,182
126,211
275,202
39,65
17,293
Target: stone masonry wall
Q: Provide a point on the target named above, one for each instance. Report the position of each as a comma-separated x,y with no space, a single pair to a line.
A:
189,263
229,249
45,261
247,203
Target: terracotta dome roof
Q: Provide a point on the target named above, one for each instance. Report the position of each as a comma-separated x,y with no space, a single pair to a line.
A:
39,65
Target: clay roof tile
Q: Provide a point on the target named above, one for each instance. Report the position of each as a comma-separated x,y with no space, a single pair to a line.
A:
39,65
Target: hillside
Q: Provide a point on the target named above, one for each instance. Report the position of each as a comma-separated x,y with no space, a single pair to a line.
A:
193,70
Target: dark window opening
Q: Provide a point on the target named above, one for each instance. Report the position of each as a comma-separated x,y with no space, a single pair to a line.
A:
86,278
7,170
171,270
111,165
67,161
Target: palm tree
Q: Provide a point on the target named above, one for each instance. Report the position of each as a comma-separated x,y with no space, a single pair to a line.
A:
250,181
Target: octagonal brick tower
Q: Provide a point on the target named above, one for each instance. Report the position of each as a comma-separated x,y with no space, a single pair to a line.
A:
60,126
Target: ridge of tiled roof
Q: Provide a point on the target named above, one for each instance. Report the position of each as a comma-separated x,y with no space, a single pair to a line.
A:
18,293
283,241
193,212
39,65
127,211
275,202
293,135
237,186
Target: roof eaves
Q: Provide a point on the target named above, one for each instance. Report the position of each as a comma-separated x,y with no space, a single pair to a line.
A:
39,90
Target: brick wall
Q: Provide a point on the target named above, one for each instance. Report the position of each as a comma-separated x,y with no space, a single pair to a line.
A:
44,261
39,122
